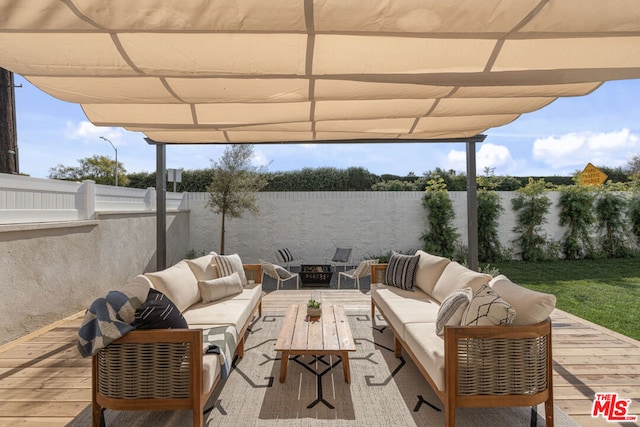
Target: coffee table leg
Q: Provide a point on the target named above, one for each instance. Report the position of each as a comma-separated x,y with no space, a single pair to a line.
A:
284,362
345,366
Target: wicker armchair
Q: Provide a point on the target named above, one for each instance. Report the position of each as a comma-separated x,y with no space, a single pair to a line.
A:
153,369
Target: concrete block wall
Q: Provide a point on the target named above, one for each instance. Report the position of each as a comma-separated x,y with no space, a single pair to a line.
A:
313,224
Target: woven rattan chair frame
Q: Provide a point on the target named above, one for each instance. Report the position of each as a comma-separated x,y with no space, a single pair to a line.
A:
159,369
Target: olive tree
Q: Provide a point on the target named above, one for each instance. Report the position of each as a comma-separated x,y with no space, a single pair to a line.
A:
235,185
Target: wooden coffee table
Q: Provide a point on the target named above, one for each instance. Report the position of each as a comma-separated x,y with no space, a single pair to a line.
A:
328,335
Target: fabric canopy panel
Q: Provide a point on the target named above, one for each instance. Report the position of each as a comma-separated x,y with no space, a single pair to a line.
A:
251,71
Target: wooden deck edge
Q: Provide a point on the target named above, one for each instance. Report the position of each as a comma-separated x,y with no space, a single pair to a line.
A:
597,327
41,331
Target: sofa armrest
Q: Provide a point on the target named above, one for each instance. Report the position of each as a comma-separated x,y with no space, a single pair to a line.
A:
253,272
377,272
151,364
513,362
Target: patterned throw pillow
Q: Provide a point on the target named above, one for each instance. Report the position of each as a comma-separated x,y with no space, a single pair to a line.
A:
452,309
285,255
488,308
401,271
229,264
159,312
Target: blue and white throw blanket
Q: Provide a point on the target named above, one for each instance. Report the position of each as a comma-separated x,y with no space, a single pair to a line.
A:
106,320
221,340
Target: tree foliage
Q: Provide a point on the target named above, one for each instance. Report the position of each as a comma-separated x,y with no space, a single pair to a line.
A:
440,237
100,169
532,206
489,210
576,213
322,179
235,184
611,206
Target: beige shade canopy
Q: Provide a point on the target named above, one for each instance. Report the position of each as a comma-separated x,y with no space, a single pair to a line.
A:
252,71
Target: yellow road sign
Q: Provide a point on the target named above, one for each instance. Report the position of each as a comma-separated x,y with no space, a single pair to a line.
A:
591,175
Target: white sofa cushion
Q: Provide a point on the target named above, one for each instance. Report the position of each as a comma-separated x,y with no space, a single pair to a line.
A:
211,369
428,348
224,312
456,276
178,283
488,308
203,267
531,307
139,287
430,268
401,307
217,289
228,264
452,309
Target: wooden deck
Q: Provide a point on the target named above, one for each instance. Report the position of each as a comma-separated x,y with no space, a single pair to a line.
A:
45,382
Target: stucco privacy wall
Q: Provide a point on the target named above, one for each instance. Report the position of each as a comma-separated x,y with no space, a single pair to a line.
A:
313,224
51,270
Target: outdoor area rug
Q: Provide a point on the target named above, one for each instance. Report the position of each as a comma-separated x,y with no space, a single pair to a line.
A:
384,390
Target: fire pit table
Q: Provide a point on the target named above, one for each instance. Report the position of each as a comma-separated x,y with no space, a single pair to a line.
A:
316,275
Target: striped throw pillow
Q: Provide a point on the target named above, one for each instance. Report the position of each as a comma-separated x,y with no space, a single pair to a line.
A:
401,271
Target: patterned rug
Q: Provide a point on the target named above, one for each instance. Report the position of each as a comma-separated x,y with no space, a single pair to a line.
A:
384,390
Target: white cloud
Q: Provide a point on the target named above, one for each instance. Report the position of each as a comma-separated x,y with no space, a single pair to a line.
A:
575,150
489,155
260,159
88,133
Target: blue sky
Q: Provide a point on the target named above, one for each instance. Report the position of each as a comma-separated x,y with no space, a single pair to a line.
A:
602,128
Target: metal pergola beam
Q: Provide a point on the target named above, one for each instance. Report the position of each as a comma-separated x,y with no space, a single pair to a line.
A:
472,202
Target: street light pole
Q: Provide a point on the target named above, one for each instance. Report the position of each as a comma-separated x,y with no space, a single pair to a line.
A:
116,150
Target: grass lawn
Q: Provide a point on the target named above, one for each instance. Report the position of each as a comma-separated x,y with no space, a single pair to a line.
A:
605,292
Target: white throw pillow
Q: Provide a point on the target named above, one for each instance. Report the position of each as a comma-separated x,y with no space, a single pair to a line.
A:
229,264
531,307
178,283
488,308
222,287
452,309
456,276
430,268
204,267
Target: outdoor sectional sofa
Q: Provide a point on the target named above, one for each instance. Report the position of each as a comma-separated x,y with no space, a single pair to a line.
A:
494,346
163,369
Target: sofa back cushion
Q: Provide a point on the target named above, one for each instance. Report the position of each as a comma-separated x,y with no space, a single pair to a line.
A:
531,307
204,268
456,276
430,268
178,283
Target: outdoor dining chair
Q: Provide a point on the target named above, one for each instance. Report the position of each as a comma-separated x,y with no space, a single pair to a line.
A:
363,270
280,274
